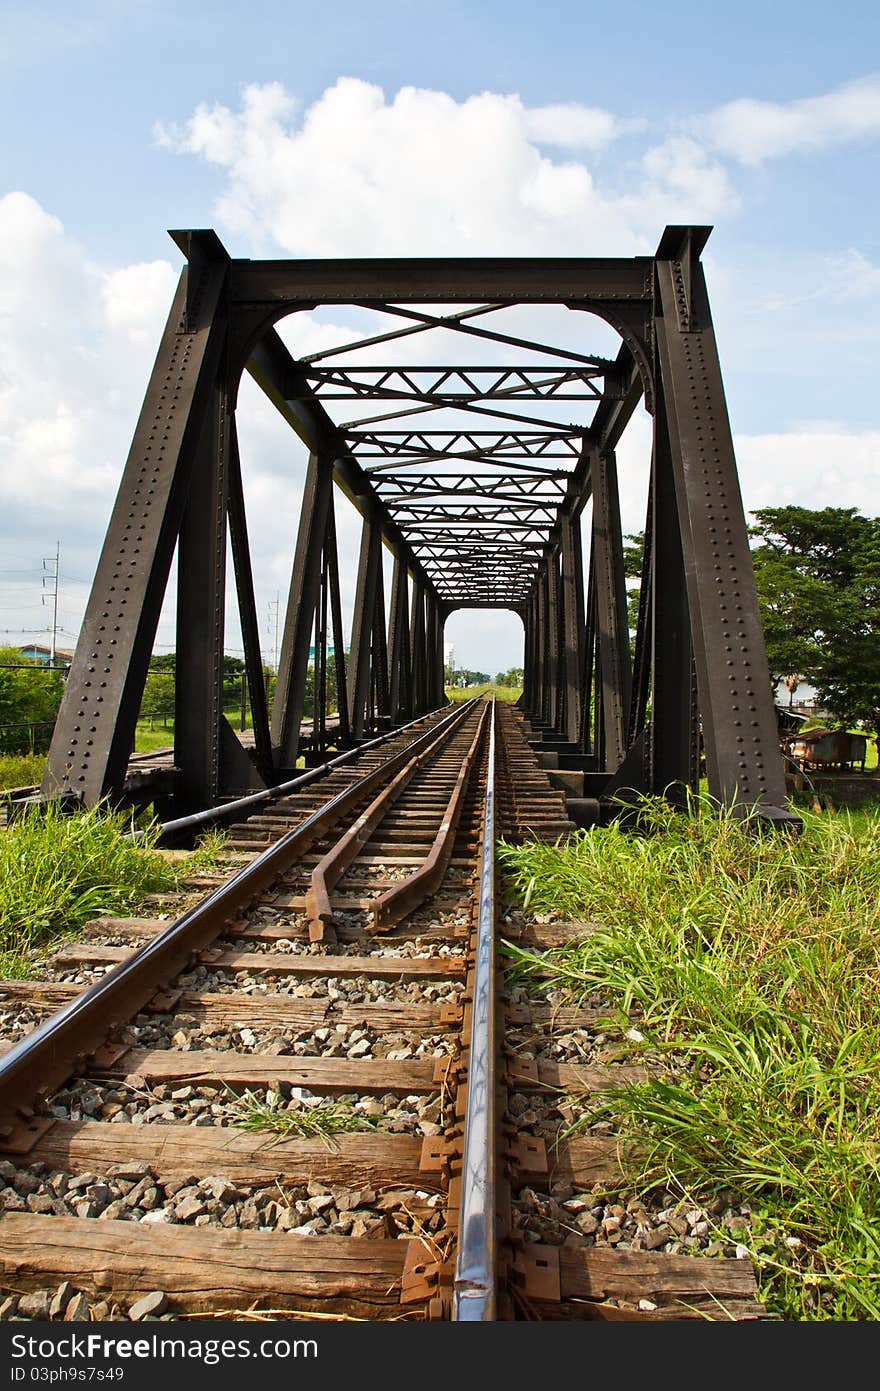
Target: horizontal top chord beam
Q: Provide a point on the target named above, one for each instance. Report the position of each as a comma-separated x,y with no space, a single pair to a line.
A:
472,280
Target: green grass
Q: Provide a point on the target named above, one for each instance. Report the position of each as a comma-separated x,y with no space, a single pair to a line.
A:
59,870
755,959
302,1122
21,769
871,750
458,693
160,736
157,733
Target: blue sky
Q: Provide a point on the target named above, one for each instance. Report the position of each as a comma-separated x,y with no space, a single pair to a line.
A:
406,128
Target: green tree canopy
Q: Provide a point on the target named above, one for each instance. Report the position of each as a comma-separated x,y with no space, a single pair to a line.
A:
158,697
513,677
818,579
30,695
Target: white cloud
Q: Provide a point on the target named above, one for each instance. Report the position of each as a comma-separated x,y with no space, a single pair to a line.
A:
752,131
817,467
679,173
136,299
850,276
47,347
73,369
815,464
77,343
422,174
573,126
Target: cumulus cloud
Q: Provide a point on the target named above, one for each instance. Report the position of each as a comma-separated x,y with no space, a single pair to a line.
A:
136,299
816,464
819,466
574,126
77,344
73,368
47,342
752,131
420,173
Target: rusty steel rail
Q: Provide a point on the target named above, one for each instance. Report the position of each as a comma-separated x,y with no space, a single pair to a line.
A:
410,892
45,1058
475,1291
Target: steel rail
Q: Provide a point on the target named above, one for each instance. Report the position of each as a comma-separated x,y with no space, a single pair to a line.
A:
44,1059
475,1291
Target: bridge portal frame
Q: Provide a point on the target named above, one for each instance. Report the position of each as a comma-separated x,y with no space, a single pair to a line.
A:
699,652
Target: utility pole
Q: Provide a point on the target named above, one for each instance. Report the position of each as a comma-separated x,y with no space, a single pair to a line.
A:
275,604
53,574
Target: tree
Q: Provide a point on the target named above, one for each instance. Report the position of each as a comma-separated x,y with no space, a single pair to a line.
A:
331,703
513,677
818,579
158,697
30,695
633,560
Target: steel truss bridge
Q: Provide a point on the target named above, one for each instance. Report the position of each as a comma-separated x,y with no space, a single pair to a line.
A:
471,475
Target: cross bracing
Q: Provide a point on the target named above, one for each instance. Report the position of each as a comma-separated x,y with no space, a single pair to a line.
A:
471,446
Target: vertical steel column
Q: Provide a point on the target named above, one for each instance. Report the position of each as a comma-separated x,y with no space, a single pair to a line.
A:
644,644
379,675
551,703
247,608
363,623
201,593
673,737
528,695
573,625
319,712
399,660
417,646
440,664
434,649
586,740
742,749
540,644
559,665
343,730
94,732
614,656
305,584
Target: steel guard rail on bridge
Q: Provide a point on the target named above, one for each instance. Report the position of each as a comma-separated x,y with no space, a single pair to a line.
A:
224,810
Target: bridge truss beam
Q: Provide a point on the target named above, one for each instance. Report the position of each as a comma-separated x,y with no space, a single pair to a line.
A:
473,477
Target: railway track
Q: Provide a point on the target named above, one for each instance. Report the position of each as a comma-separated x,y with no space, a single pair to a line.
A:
312,1093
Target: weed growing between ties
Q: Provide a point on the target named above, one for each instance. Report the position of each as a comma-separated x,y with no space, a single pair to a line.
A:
59,870
754,958
321,1119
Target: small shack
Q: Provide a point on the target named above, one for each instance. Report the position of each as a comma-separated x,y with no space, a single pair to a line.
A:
829,749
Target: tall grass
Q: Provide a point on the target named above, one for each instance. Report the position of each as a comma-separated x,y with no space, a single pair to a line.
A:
59,870
755,959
